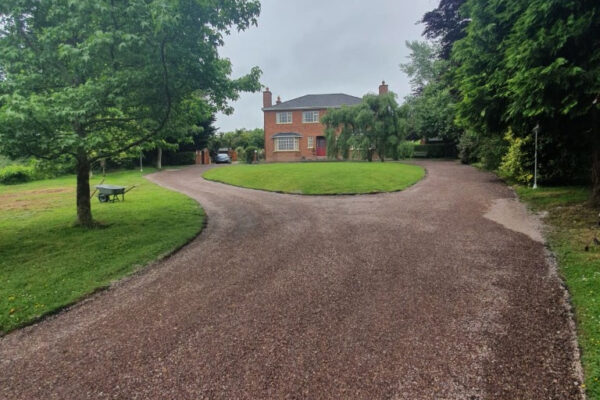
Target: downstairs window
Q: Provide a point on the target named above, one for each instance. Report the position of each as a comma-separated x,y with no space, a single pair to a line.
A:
287,144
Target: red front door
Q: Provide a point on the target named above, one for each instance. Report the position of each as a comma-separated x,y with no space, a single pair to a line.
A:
321,146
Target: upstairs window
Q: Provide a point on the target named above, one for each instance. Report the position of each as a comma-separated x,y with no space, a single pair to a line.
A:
310,117
284,117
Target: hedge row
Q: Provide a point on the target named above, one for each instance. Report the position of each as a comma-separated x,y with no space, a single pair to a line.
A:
168,158
438,150
13,174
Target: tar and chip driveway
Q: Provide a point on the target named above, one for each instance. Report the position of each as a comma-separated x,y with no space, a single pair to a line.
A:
412,295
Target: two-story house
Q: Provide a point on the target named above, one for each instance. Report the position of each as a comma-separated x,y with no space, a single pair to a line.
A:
293,129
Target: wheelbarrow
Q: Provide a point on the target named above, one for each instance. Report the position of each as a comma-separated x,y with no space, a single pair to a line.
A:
110,193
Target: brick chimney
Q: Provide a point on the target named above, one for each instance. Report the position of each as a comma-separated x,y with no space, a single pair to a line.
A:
267,98
383,88
278,100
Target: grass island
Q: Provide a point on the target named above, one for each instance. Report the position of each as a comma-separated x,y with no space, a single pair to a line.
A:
314,178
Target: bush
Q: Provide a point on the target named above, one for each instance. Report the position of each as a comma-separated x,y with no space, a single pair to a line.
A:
5,161
125,161
490,152
516,164
16,174
249,154
240,153
405,150
467,147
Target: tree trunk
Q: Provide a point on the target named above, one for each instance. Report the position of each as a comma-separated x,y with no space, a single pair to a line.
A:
159,158
84,209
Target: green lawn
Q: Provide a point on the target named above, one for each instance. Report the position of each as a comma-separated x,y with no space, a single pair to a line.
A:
574,226
46,262
320,177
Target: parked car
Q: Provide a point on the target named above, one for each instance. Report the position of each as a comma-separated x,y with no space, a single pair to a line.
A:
223,158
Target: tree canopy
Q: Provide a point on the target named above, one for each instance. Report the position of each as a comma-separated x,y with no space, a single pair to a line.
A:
504,67
239,138
430,110
524,64
368,128
93,78
446,25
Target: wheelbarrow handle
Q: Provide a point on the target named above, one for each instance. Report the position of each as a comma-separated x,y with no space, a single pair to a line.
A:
96,189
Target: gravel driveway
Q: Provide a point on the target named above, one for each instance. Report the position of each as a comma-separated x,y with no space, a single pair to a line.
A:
442,291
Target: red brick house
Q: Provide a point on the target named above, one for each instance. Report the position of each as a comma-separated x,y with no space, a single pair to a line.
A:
293,129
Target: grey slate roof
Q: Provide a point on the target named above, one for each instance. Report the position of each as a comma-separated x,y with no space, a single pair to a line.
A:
314,101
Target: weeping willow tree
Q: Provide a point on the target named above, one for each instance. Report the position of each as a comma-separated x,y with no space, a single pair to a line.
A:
364,130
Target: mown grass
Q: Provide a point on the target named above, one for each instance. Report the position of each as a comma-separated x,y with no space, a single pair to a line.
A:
46,262
320,177
574,226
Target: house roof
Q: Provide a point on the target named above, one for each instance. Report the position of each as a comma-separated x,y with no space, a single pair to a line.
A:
312,101
286,134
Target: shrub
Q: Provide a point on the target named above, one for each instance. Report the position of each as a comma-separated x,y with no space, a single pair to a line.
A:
515,164
467,147
249,154
490,152
240,153
5,161
16,174
126,161
405,150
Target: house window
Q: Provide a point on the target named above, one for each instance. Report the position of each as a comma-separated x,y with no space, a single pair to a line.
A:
310,117
310,142
287,144
284,117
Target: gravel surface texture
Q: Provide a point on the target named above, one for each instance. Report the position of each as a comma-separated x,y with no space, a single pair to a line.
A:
408,295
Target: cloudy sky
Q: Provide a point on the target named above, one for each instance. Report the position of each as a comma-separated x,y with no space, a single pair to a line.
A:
322,46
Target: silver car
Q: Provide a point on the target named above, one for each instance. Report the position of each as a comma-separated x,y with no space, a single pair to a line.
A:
222,158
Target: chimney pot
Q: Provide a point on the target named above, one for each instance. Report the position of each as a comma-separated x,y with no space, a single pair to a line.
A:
278,100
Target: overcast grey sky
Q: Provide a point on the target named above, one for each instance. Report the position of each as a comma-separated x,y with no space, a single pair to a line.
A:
322,46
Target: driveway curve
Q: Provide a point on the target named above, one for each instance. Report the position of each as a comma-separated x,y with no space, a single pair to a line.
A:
431,293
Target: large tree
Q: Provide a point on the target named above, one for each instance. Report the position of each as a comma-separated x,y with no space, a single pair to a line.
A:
430,108
423,66
368,128
524,64
93,78
552,58
445,24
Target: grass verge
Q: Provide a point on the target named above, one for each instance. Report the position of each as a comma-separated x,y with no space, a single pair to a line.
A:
320,177
47,262
573,227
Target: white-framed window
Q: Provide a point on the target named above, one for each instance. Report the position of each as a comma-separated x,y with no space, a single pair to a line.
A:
284,117
310,142
310,117
287,144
